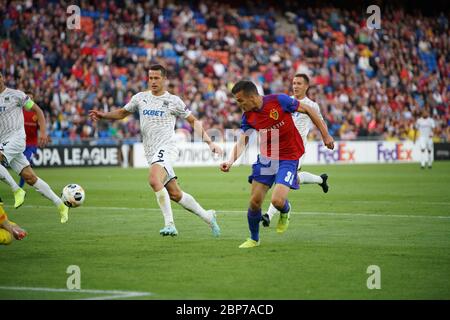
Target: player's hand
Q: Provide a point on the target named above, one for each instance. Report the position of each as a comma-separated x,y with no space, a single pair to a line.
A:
95,115
43,139
328,141
215,149
225,167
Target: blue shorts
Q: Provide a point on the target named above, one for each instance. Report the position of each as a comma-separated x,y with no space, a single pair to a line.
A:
29,152
282,172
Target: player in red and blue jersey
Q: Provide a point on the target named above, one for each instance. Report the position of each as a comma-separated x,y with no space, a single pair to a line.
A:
280,148
31,131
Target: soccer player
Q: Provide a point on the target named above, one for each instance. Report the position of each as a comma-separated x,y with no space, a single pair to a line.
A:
425,125
158,111
31,132
281,147
303,124
12,146
8,229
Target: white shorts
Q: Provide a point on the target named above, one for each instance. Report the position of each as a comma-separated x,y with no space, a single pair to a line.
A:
426,143
12,149
164,157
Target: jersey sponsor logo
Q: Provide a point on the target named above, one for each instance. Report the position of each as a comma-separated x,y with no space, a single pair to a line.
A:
274,114
340,154
152,113
398,153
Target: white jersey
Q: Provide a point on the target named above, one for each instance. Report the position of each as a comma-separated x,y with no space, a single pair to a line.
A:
425,127
302,121
11,115
158,116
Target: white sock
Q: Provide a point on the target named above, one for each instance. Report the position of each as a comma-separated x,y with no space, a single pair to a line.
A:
423,158
188,202
430,159
43,188
6,177
163,199
272,210
308,178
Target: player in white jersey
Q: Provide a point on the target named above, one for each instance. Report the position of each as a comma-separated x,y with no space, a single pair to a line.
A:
425,125
303,123
158,110
12,146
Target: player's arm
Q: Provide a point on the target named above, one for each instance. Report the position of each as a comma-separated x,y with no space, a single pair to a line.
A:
238,148
43,138
319,123
118,114
415,132
198,128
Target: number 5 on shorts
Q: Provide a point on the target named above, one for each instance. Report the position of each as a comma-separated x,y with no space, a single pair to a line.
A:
161,154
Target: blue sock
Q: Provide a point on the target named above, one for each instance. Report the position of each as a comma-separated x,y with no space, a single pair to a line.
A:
254,217
286,207
21,182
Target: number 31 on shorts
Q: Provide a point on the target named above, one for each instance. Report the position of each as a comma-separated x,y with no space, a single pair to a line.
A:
289,177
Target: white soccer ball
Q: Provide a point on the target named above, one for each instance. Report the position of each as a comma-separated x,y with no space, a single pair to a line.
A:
73,195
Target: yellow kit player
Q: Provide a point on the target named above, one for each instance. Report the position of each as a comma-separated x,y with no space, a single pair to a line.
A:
8,229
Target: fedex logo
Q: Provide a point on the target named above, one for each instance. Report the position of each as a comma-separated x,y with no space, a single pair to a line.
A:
399,153
341,153
155,113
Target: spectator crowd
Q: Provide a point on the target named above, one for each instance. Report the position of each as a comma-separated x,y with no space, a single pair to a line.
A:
370,83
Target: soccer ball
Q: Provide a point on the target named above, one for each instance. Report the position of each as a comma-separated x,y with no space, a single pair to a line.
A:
73,195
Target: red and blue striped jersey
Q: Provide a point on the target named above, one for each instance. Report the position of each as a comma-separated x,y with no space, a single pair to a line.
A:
279,138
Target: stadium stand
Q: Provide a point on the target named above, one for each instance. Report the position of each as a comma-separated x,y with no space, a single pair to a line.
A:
369,83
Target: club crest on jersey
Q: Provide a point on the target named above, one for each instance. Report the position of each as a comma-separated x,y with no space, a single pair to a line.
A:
6,99
274,114
165,104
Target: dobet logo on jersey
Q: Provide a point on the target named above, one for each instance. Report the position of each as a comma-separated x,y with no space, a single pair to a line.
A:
73,195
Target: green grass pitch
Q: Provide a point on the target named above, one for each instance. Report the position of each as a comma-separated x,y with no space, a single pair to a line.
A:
393,216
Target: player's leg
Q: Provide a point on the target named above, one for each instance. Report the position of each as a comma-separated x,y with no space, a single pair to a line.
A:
5,236
29,151
286,179
309,178
189,203
41,187
430,152
258,193
8,229
19,193
281,202
423,155
156,178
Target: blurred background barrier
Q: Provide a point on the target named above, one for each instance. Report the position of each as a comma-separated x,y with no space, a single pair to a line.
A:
442,151
77,156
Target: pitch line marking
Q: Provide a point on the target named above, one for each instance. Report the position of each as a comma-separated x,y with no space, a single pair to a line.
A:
313,213
111,294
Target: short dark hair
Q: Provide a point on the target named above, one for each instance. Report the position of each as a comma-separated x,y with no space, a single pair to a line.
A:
302,75
246,86
158,67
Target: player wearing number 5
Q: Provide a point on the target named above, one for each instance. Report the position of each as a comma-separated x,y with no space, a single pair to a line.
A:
280,148
158,110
